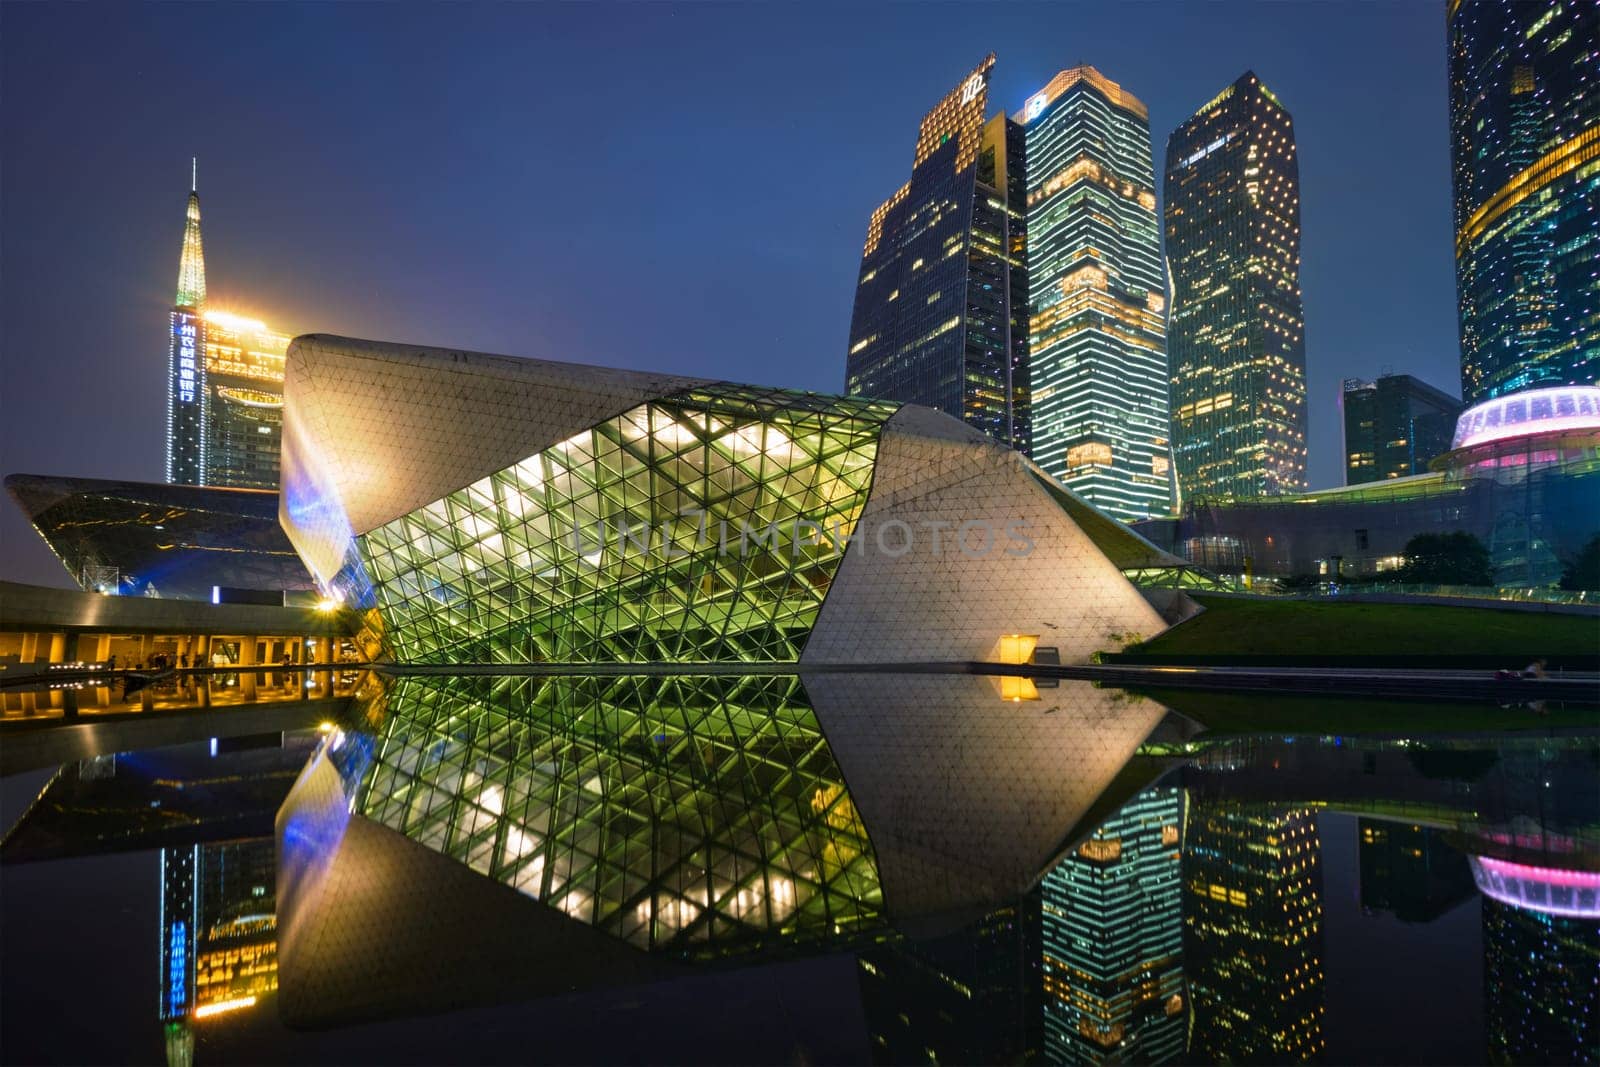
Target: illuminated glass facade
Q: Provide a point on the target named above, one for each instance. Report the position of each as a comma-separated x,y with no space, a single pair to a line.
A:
940,315
1394,426
1236,333
176,541
1097,338
1410,871
244,402
186,365
964,997
497,510
1253,940
1113,940
698,816
1525,154
1541,994
658,535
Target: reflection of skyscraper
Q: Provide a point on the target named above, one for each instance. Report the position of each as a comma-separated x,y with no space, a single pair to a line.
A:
966,997
1113,940
1236,330
1541,983
179,905
1098,336
1410,871
236,947
218,933
1253,933
940,313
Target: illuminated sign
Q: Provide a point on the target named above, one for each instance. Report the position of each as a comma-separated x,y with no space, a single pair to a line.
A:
1031,109
1551,890
222,1006
184,329
1207,150
177,968
973,86
1563,407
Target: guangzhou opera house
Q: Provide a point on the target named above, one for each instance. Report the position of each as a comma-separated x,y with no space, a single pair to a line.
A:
485,509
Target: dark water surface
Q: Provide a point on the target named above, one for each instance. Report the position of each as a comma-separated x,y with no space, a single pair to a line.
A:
829,869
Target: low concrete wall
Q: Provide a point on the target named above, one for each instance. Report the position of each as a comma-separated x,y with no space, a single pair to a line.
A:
40,608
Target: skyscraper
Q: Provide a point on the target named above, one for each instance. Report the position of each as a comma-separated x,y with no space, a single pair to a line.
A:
1525,151
1541,997
1097,340
244,401
1113,940
186,372
940,312
1393,427
225,387
1253,933
1410,871
1236,333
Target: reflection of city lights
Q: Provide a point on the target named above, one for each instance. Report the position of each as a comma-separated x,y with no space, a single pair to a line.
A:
222,1006
1550,890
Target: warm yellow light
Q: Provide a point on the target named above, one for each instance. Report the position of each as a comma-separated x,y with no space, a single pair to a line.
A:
229,321
327,604
1016,689
325,727
223,1006
1016,648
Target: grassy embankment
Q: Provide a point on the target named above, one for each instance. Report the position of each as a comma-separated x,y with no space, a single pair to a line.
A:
1292,713
1262,632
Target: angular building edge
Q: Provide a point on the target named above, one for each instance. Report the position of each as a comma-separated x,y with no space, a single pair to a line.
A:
376,431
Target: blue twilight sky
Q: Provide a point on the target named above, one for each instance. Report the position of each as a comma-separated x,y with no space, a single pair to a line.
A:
681,188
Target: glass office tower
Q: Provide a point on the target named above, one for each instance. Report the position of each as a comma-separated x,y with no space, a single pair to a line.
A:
941,302
1098,333
1253,933
244,401
1236,333
1525,151
1394,426
1113,940
186,371
225,384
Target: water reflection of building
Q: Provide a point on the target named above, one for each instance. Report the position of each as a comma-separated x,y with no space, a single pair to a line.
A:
1410,871
219,942
1113,978
1540,985
966,997
1253,943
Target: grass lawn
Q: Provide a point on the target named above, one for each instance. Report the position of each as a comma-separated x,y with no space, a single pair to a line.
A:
1268,627
1254,713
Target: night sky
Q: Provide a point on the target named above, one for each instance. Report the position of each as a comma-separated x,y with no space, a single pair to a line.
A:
682,189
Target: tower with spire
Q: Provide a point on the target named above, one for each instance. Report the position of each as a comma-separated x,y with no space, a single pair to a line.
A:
186,369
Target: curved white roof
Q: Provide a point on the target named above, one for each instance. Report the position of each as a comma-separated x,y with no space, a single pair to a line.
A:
1563,407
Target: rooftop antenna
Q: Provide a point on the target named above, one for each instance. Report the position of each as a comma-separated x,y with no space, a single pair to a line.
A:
194,174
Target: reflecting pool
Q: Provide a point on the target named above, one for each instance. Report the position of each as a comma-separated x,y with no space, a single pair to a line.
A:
835,867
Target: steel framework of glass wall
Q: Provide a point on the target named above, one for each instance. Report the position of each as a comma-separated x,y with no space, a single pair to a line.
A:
698,816
698,527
